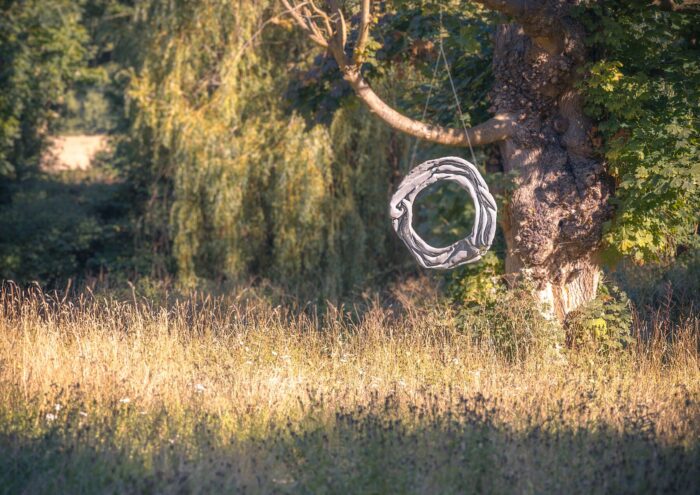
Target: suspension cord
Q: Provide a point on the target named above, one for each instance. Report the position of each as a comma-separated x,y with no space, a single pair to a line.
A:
425,107
454,92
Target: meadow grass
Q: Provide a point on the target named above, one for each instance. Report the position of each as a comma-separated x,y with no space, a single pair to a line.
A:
233,394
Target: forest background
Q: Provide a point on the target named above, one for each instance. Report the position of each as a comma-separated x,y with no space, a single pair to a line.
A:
238,154
220,304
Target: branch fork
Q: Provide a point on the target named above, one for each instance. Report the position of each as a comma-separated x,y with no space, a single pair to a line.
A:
329,30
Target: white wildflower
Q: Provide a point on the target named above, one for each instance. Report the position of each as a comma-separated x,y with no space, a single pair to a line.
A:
199,388
50,417
125,400
58,407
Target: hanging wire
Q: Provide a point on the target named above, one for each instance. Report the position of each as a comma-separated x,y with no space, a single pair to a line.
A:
454,92
425,107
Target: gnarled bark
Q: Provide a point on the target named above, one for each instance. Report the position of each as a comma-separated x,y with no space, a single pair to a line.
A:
553,220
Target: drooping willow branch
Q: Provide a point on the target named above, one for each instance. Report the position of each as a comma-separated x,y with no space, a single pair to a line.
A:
329,31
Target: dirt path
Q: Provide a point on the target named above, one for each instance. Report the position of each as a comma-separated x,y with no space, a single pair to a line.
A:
72,152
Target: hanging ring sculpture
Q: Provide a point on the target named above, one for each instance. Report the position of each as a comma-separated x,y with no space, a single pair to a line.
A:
467,250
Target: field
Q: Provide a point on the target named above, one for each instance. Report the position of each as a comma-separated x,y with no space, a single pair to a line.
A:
235,394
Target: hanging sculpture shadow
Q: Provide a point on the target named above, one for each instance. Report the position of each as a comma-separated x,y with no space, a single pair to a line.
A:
467,176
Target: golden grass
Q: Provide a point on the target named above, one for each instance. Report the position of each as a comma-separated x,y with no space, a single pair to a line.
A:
233,394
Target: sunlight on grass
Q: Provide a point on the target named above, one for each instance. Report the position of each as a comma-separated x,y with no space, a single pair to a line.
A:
214,394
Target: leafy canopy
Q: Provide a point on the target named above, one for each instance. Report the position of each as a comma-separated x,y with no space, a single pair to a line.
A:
643,89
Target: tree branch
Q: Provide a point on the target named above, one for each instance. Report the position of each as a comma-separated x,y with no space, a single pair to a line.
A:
363,34
305,23
334,39
513,8
540,20
495,129
683,6
340,36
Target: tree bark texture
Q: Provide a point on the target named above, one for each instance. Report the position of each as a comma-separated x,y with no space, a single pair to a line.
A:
553,219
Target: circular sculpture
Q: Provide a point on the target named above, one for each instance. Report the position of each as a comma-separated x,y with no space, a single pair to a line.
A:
467,250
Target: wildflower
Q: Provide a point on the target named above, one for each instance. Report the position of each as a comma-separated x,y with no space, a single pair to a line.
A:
58,407
199,387
50,417
125,400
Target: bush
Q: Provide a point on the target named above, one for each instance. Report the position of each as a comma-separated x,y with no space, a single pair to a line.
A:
53,230
603,324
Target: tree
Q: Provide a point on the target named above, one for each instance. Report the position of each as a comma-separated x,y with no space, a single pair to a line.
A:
42,52
235,185
554,219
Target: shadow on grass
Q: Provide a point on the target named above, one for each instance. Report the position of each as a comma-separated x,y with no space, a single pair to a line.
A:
379,447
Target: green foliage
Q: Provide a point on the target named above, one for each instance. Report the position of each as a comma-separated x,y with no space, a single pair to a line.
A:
87,112
443,214
42,48
96,103
40,244
61,67
604,324
670,290
404,44
57,228
247,187
479,282
644,90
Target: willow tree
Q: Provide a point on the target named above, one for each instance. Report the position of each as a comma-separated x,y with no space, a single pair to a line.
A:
554,218
238,186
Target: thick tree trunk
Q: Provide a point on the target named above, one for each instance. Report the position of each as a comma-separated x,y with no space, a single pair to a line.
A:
553,220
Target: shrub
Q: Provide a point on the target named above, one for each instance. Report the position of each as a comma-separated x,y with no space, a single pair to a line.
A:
603,324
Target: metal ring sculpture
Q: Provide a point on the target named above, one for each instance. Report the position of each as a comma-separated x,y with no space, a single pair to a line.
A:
467,250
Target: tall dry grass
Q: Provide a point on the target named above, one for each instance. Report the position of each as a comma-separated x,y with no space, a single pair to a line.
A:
234,394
